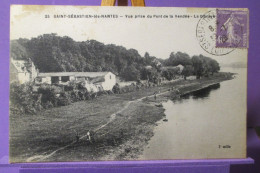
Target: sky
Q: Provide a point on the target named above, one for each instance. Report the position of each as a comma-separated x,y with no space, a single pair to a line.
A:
157,35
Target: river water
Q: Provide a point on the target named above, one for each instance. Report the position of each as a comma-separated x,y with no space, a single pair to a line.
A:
201,123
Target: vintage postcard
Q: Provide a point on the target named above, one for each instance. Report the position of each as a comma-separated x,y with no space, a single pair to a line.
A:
124,83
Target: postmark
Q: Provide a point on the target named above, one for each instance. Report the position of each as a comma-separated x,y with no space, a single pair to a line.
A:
232,28
206,34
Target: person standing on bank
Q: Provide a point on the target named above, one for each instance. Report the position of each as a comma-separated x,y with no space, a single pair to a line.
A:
89,136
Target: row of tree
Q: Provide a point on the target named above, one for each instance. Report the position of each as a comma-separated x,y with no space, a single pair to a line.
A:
52,53
196,65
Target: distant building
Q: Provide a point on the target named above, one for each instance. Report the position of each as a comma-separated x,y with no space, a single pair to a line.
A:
157,63
101,80
179,68
22,71
148,67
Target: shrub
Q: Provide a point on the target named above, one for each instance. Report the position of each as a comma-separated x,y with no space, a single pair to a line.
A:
75,85
74,95
87,95
68,88
48,94
116,89
23,100
100,93
28,98
48,105
63,99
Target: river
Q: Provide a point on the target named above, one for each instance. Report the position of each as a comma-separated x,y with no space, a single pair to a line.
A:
202,122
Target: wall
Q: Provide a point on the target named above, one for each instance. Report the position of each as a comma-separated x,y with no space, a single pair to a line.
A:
46,80
34,72
23,77
109,83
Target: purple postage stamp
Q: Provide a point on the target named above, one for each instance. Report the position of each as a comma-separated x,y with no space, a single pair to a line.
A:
232,28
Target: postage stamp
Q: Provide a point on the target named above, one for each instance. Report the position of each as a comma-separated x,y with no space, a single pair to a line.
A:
232,28
206,35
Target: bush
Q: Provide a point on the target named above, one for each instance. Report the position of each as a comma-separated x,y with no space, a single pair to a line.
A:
100,93
75,85
87,95
63,99
49,94
74,95
28,98
23,100
116,89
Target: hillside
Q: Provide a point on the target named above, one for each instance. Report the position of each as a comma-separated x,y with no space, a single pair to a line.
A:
52,53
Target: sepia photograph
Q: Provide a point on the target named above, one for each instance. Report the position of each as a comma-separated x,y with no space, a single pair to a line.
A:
121,83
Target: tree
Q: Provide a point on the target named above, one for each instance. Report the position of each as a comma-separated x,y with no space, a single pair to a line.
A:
178,58
203,65
131,73
148,60
148,73
197,64
187,71
170,73
214,66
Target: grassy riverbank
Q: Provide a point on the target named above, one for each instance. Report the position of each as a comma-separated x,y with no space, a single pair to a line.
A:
122,125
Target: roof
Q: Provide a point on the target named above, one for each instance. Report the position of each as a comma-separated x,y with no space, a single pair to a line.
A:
19,65
170,67
76,74
148,67
99,79
179,65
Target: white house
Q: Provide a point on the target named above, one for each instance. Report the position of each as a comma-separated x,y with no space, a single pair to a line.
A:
22,71
102,80
178,68
181,67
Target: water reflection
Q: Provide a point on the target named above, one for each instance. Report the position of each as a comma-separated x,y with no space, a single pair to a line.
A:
201,94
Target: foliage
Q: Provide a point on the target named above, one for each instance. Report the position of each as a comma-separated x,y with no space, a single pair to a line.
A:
48,95
26,101
178,58
171,73
148,73
52,53
23,99
203,66
131,73
64,99
187,71
116,89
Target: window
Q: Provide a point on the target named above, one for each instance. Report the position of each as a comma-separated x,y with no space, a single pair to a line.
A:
110,77
54,80
81,78
65,78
